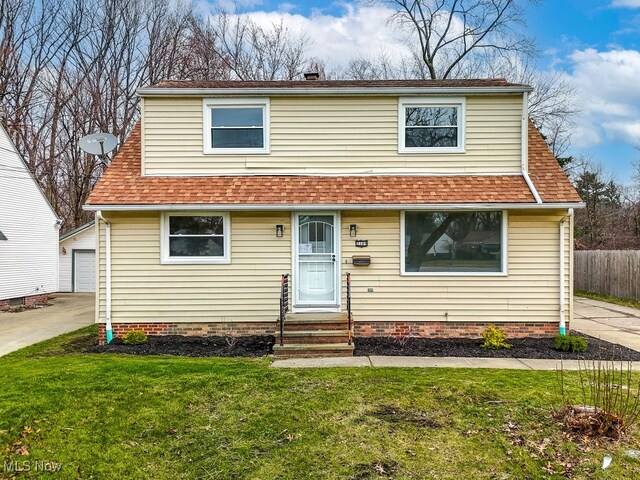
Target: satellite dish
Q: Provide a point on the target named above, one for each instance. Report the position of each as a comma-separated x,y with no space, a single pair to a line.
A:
98,143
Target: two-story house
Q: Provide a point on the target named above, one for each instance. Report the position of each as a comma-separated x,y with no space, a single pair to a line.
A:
440,198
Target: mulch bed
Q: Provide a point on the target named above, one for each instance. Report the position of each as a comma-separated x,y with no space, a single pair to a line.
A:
246,346
261,345
468,347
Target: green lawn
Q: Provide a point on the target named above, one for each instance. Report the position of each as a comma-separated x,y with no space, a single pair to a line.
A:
120,417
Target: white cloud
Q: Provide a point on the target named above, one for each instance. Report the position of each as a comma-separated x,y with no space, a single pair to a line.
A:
360,30
625,3
608,88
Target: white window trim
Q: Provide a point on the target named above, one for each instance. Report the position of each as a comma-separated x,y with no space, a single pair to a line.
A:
504,257
209,103
404,102
164,239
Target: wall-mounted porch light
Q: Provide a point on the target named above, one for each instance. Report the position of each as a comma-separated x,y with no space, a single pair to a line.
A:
279,231
353,230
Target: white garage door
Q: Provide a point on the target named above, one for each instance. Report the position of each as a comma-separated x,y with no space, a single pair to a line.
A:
85,274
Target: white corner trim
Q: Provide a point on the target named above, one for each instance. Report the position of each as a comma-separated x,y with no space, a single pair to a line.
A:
262,102
524,147
524,134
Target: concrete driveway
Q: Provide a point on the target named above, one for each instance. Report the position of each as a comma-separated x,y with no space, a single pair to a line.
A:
67,312
607,321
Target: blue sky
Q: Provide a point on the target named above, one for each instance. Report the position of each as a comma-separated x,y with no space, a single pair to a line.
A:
594,44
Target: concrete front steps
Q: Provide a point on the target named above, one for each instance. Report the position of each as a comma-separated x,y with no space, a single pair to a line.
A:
308,335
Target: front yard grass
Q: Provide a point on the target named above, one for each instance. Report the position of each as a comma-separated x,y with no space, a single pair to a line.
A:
121,417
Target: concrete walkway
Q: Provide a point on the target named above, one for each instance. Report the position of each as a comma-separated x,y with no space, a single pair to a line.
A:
417,362
67,312
430,362
607,321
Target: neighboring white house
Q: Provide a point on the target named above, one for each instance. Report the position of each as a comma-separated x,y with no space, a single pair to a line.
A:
29,226
78,259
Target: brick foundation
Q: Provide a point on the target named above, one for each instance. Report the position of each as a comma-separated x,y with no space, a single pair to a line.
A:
36,300
453,329
362,329
237,329
28,301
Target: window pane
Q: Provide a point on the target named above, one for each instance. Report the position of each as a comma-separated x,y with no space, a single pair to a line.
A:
315,234
196,225
453,241
431,137
196,247
431,116
237,138
236,117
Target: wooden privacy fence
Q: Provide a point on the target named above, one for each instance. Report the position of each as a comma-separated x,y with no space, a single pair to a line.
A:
608,272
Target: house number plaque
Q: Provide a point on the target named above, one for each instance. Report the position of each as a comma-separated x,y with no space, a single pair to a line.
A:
362,243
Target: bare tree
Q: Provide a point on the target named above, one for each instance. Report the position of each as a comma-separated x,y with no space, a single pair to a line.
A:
253,52
72,68
451,32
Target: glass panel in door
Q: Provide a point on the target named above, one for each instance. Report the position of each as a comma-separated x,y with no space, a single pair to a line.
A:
316,284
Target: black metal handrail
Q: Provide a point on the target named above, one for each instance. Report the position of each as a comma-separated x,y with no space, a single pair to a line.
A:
284,303
349,317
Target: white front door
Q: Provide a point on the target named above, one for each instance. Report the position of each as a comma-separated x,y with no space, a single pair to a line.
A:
316,261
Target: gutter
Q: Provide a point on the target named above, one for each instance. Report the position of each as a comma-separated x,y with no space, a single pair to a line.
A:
108,327
563,325
329,206
524,150
318,92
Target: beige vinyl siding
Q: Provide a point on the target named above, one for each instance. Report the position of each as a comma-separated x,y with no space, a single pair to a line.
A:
530,291
248,288
143,290
331,134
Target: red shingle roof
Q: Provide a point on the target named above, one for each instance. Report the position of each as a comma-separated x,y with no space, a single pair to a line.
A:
548,177
122,184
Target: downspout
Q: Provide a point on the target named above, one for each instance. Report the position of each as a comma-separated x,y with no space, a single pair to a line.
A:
563,325
108,327
524,142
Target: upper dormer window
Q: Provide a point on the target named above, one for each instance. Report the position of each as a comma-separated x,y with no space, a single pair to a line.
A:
431,125
236,126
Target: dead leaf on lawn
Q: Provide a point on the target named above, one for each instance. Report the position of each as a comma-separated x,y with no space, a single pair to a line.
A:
21,450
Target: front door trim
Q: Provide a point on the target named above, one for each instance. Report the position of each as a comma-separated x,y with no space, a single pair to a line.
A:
296,306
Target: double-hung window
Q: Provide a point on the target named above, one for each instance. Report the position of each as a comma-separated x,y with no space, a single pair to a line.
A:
195,238
431,125
454,243
236,126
